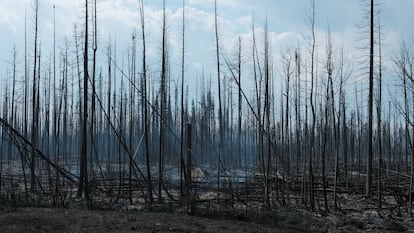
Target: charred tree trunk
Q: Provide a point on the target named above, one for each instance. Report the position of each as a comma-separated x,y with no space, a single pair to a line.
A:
34,99
312,104
220,113
368,186
162,106
83,188
145,99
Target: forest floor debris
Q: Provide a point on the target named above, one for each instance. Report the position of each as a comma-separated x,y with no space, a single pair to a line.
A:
81,220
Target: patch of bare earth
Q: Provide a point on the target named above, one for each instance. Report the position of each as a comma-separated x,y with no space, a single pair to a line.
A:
77,220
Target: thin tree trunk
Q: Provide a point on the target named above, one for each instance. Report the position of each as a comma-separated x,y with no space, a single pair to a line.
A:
162,106
145,99
34,107
297,114
311,99
83,177
219,99
182,164
368,187
267,119
379,121
108,128
26,93
240,103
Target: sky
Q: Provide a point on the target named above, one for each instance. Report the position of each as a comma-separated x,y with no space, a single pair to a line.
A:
117,19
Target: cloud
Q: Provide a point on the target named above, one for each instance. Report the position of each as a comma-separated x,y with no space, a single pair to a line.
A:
286,24
11,13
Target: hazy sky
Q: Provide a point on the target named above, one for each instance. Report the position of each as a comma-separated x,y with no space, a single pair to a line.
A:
118,18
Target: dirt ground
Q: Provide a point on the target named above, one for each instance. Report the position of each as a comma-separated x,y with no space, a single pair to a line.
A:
72,220
75,220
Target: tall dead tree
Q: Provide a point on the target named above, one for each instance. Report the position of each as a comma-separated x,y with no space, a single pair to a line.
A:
13,101
55,104
288,72
297,112
257,73
93,126
266,116
368,185
407,138
220,115
162,104
35,106
329,103
25,101
182,164
344,74
145,99
83,186
379,117
239,71
108,110
132,86
312,104
409,72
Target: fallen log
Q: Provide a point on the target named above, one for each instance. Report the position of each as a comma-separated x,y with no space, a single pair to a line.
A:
12,131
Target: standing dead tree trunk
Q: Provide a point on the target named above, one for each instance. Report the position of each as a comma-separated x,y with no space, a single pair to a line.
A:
379,118
189,167
93,125
368,186
409,73
220,115
266,117
329,103
312,104
239,71
83,176
335,126
108,110
145,98
132,106
297,113
344,74
287,73
13,115
162,105
26,93
182,164
35,106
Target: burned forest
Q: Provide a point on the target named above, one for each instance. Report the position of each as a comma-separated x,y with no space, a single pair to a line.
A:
316,130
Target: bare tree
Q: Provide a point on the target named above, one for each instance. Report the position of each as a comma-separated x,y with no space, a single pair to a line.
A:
329,103
266,115
108,110
379,116
258,91
312,104
239,71
83,188
288,72
182,164
220,112
162,104
297,111
145,99
368,187
35,106
93,126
